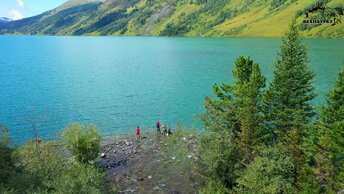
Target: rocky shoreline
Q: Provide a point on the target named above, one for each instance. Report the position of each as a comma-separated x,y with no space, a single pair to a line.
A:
146,166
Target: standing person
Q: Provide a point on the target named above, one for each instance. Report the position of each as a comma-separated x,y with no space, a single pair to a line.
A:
164,129
158,127
169,131
138,133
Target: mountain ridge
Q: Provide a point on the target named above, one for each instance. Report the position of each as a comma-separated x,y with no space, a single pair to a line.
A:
205,18
5,20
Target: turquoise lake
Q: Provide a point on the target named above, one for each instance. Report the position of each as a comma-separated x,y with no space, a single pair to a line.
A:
118,83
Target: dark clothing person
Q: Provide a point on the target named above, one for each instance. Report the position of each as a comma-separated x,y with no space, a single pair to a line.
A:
169,132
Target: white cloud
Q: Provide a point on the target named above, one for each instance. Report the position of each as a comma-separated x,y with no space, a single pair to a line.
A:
21,3
15,14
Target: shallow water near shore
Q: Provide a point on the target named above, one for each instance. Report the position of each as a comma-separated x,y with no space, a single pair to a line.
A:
118,83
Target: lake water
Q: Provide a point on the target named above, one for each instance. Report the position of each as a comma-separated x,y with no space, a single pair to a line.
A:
117,83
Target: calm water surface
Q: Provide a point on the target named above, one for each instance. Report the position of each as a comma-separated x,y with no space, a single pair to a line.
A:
117,83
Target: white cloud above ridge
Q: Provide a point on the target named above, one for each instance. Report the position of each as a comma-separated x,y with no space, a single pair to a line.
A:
15,14
21,3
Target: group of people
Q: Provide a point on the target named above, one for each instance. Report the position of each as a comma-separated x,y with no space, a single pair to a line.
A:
163,130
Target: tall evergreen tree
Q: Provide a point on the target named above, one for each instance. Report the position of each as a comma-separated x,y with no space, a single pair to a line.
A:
234,116
287,102
294,142
331,137
334,111
248,105
291,91
220,112
238,107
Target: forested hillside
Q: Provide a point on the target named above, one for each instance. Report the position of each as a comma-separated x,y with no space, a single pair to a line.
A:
209,18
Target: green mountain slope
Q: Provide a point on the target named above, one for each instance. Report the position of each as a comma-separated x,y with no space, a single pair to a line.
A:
217,18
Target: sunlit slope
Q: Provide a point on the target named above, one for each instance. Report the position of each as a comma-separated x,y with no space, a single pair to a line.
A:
261,21
211,18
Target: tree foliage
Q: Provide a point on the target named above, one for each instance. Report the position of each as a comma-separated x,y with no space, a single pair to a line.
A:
249,109
45,167
220,159
291,91
82,142
45,161
234,117
331,138
6,162
270,141
81,178
266,174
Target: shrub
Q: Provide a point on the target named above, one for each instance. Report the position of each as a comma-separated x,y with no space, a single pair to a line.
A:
268,173
82,142
39,163
6,164
80,178
220,160
214,187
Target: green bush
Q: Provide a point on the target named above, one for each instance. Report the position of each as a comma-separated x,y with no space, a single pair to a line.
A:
214,187
44,166
5,190
6,164
80,178
38,164
220,159
49,170
82,142
268,173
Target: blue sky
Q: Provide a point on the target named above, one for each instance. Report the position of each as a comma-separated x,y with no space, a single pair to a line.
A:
17,9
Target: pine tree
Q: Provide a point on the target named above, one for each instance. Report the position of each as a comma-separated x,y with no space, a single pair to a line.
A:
324,159
235,117
331,138
238,107
334,111
287,102
248,105
220,112
294,142
291,91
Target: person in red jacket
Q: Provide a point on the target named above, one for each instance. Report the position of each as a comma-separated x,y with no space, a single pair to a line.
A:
158,127
138,133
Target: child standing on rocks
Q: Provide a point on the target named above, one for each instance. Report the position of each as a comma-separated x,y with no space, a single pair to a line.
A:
138,133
